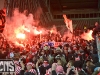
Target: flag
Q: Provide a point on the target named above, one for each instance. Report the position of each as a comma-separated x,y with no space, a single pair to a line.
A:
68,23
17,70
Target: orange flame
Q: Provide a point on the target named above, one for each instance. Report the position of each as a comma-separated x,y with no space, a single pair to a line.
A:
37,32
87,36
20,36
25,29
51,31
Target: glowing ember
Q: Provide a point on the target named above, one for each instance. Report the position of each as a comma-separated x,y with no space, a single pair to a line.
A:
51,31
20,36
87,36
27,30
37,32
18,44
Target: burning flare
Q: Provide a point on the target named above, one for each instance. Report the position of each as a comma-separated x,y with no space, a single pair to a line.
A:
20,27
37,32
87,36
20,36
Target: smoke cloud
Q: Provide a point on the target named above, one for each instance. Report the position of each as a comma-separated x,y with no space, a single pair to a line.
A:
19,26
68,35
53,30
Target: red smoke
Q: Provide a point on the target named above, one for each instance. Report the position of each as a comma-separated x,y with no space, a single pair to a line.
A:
87,36
69,35
53,30
20,28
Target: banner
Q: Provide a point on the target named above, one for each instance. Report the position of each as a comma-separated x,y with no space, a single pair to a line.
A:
56,44
53,44
7,65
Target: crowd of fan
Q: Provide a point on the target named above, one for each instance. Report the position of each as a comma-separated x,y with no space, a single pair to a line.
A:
74,57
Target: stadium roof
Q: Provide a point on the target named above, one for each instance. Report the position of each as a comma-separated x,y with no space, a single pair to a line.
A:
64,5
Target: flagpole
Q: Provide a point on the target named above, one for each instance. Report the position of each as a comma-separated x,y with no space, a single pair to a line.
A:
98,45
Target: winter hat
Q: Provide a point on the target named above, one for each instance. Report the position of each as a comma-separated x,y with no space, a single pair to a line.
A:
30,63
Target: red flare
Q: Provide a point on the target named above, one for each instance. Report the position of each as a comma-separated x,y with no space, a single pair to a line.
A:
20,36
87,36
